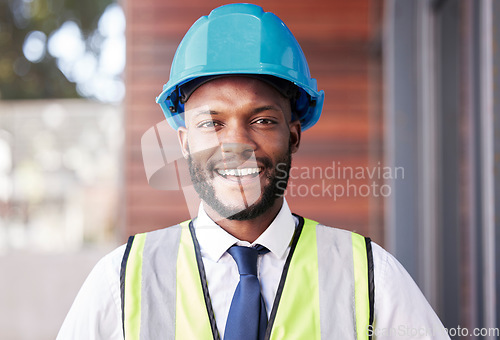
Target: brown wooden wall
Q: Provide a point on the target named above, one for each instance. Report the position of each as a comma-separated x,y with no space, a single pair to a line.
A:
337,37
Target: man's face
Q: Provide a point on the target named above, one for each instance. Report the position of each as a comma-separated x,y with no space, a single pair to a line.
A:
238,141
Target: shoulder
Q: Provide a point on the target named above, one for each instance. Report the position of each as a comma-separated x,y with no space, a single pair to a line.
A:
95,312
106,273
113,260
384,263
385,266
327,235
399,302
327,230
165,239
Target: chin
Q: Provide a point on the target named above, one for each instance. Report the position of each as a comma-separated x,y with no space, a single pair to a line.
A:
242,212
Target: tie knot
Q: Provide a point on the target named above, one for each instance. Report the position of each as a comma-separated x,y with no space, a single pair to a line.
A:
246,258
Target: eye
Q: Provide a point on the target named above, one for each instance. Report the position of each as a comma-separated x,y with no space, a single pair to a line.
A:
208,124
264,121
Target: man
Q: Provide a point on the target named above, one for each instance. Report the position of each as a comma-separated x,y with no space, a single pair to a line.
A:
239,96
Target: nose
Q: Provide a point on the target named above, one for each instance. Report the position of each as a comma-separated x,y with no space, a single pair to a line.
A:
245,150
237,140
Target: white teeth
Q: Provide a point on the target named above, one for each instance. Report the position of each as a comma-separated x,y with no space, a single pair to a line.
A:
238,172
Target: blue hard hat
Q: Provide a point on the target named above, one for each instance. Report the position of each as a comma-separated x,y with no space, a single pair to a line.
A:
241,39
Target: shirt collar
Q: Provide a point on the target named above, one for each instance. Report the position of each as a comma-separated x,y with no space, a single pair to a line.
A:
214,241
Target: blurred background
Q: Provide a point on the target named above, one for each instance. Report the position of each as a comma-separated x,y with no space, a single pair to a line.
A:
410,121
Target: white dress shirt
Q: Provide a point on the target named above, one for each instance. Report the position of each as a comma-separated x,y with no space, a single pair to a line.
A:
401,311
222,271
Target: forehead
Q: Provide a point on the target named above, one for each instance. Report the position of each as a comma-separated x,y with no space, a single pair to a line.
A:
235,89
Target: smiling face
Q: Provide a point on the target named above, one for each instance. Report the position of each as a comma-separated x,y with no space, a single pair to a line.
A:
238,140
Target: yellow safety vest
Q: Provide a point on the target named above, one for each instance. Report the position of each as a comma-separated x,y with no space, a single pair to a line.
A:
326,289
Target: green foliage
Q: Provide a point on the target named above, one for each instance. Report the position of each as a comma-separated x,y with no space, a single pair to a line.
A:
22,79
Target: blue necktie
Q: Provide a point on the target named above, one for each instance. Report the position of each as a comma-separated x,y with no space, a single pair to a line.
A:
247,318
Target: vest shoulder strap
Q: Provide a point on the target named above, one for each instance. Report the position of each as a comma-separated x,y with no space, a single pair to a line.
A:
371,284
123,268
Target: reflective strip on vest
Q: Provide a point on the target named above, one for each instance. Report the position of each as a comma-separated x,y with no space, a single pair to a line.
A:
192,317
325,296
154,287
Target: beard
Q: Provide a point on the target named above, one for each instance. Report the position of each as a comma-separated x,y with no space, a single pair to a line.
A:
201,177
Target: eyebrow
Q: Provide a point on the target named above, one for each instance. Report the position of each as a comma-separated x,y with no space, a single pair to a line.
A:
266,108
254,111
206,112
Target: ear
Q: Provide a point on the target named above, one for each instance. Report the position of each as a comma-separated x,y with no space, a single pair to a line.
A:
182,134
295,133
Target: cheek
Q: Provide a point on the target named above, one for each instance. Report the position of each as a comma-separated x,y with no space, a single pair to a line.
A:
278,150
282,142
203,142
202,150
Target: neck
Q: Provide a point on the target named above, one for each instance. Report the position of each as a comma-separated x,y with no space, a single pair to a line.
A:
247,230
